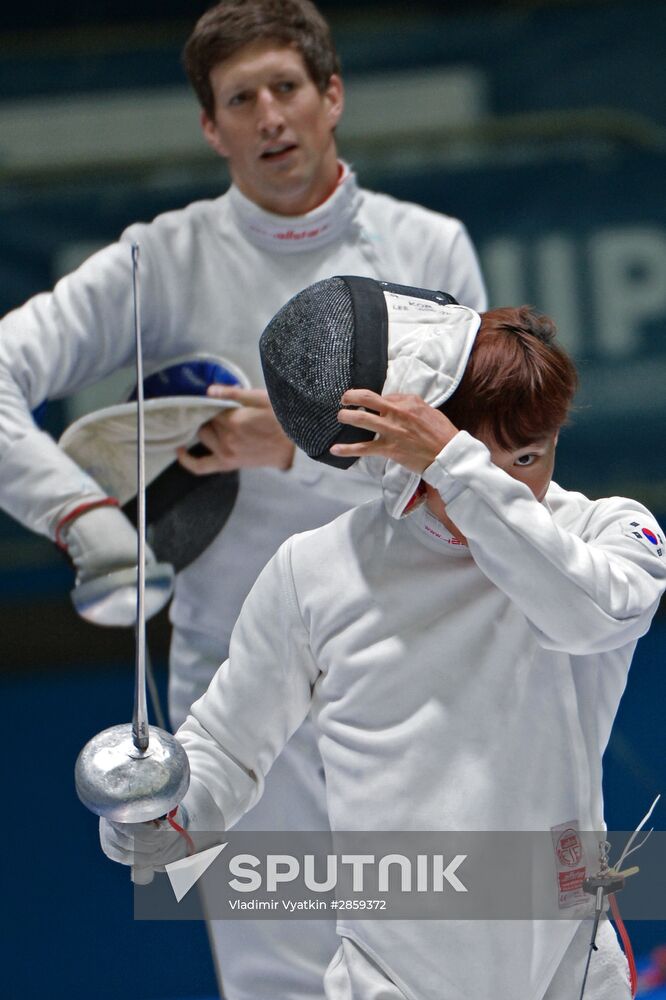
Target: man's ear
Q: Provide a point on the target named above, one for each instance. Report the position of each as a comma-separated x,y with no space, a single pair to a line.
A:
335,99
212,134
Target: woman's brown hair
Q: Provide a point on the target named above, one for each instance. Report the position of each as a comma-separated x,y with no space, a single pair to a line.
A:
519,383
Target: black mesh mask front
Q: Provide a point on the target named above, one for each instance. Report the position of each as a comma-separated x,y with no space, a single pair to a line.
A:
331,337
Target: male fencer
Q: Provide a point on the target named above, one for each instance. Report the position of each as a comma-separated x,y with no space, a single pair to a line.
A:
267,77
462,644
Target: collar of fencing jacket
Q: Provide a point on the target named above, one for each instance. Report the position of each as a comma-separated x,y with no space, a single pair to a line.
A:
285,234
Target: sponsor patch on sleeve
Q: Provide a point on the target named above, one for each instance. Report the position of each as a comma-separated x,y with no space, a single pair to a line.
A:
647,533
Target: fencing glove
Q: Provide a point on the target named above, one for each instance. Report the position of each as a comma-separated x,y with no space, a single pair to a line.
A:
103,546
156,843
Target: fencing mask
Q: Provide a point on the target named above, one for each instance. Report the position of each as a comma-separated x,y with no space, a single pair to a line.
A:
184,512
352,332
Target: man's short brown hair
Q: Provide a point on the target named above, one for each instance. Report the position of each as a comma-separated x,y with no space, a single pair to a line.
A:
232,24
519,383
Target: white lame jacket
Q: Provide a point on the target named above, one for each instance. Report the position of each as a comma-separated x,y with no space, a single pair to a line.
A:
452,688
212,275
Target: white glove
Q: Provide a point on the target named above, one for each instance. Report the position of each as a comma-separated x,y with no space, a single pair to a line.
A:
102,544
156,844
144,845
100,541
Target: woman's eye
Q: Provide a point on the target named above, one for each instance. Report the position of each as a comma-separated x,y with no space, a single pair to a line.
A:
525,459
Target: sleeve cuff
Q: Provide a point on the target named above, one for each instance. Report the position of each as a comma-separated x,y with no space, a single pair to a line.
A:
202,813
440,473
40,484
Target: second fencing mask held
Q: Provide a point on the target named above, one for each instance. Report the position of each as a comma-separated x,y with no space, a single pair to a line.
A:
184,512
360,333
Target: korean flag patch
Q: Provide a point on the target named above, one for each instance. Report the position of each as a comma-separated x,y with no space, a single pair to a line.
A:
648,534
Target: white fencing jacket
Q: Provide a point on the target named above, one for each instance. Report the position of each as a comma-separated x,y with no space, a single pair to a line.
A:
452,688
212,276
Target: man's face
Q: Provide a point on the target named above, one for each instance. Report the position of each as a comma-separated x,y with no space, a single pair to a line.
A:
275,127
532,465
